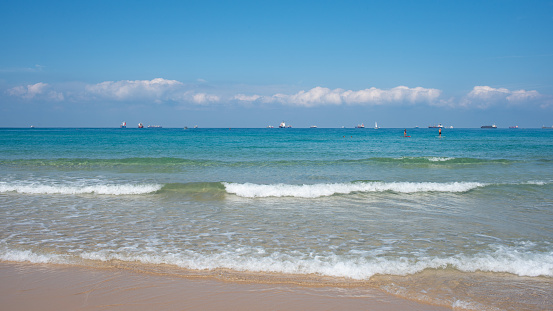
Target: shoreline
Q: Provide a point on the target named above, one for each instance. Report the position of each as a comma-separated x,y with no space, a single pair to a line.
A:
28,286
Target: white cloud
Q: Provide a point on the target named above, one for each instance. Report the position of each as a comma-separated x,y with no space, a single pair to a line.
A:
523,95
324,96
29,91
246,98
156,89
55,96
202,98
162,91
486,96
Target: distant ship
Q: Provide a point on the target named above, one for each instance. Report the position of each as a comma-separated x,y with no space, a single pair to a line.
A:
376,126
360,126
436,126
513,127
270,127
282,125
313,126
547,127
124,125
493,126
154,126
140,125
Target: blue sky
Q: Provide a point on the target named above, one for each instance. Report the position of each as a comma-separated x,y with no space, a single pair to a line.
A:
258,63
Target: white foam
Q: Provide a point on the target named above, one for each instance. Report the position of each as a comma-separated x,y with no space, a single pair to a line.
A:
503,260
536,182
29,256
439,159
519,260
250,190
107,189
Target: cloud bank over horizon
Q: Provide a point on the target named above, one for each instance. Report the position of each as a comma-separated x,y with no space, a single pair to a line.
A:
160,91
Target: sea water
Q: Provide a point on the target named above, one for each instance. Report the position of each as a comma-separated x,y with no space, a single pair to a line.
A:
463,220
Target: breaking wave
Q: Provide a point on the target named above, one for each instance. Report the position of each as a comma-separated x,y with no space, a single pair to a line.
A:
176,163
250,190
114,189
245,259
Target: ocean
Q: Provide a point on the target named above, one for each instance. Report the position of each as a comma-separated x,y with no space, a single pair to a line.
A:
464,220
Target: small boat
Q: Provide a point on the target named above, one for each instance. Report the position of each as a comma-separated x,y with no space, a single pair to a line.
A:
360,126
124,125
493,126
313,126
376,126
282,125
140,125
195,126
513,127
436,126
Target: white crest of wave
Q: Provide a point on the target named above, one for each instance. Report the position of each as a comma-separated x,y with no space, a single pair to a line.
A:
250,190
536,182
515,260
439,159
338,266
73,189
29,256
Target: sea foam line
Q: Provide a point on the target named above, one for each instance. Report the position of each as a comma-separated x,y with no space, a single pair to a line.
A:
89,189
250,190
504,260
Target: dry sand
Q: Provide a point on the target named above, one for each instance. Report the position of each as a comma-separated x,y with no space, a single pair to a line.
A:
54,287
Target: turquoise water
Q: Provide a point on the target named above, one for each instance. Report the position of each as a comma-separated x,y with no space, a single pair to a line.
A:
352,204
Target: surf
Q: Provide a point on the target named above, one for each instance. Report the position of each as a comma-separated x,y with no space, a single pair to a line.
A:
250,190
99,189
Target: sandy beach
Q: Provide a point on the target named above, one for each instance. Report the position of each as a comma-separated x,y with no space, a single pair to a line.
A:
58,287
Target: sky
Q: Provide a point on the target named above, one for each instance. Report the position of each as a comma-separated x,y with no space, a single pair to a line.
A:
259,63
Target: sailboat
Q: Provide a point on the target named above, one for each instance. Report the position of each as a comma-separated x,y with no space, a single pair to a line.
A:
376,125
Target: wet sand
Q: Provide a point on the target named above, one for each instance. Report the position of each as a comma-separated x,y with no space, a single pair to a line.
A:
57,287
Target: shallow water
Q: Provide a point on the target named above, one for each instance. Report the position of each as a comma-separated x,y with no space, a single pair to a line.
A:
474,208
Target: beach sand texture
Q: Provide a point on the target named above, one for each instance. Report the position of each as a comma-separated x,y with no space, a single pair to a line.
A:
56,287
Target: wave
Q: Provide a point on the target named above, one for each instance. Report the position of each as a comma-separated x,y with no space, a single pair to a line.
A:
250,190
439,160
246,259
169,162
87,163
73,189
